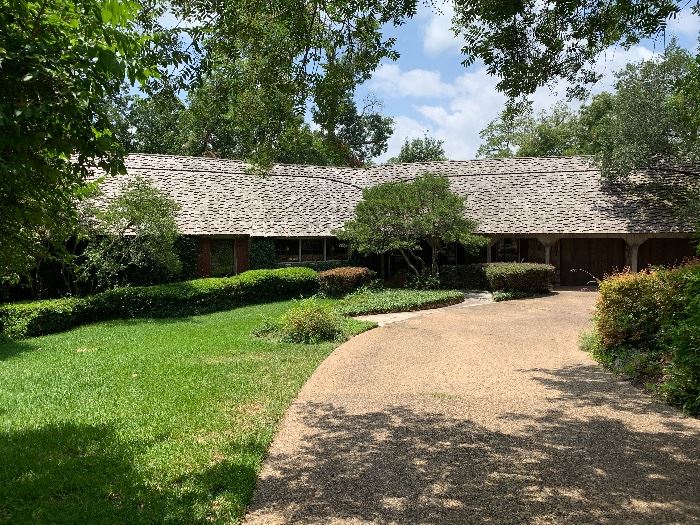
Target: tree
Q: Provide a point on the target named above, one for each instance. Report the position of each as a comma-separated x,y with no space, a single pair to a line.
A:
559,131
398,216
654,117
420,150
530,44
60,61
133,239
155,124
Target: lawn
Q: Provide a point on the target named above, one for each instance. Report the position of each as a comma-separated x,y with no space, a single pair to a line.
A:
144,421
154,421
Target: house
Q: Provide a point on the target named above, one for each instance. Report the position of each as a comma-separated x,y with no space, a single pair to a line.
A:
554,209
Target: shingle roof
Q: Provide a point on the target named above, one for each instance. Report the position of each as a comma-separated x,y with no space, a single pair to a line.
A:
515,195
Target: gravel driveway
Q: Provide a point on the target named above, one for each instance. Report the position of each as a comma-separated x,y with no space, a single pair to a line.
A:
487,415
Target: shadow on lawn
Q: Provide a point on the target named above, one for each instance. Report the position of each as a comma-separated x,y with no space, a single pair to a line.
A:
404,466
9,349
84,474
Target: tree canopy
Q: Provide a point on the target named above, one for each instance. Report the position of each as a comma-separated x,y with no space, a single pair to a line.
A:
422,149
398,216
60,62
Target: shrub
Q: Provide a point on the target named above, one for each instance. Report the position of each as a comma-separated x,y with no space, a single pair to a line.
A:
310,322
464,277
629,310
648,327
520,277
342,281
262,253
166,300
396,300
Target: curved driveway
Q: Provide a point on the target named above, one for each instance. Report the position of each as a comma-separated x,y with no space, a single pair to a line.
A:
484,415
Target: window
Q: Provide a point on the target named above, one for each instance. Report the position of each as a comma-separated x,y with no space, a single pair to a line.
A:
336,250
287,250
508,250
312,249
222,257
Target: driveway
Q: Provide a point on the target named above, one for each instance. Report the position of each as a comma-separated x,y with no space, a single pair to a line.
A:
484,415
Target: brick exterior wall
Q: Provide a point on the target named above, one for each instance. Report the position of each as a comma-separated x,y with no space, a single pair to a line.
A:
204,258
242,254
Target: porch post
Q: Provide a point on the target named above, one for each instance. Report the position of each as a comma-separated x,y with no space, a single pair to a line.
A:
547,241
633,243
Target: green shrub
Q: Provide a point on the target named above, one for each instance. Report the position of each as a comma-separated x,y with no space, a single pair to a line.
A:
310,322
512,295
520,277
631,309
648,328
165,300
424,281
464,277
342,281
262,253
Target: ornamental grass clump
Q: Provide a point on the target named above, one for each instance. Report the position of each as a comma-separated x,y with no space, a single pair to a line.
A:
310,322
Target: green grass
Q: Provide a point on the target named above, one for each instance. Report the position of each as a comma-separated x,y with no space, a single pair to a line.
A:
396,300
144,421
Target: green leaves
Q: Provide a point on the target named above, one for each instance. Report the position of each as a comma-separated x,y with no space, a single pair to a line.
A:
420,150
60,62
398,216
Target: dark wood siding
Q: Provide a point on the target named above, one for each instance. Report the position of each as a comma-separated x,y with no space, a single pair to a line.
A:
204,258
597,256
667,252
242,258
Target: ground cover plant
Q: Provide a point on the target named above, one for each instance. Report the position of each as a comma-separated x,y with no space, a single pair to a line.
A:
647,328
145,421
366,301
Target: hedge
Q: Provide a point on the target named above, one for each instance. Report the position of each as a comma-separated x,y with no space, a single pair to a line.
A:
166,300
499,276
341,281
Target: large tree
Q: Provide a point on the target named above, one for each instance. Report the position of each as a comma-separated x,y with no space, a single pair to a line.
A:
60,61
399,216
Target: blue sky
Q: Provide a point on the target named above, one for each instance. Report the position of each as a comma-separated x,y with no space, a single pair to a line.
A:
427,89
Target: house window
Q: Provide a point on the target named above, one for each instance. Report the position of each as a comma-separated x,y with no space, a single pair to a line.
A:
222,257
312,249
336,250
508,250
287,250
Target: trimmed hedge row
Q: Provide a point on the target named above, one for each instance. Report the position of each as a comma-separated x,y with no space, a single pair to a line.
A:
165,300
499,276
341,281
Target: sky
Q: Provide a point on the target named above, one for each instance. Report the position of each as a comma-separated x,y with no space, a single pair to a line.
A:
428,90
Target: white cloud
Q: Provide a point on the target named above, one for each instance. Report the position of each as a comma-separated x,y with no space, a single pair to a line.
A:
391,81
686,24
438,36
462,108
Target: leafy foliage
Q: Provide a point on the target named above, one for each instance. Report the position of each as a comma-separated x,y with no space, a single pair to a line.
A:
420,150
520,277
559,131
344,280
530,44
366,301
134,239
262,253
165,300
397,216
60,61
310,322
646,327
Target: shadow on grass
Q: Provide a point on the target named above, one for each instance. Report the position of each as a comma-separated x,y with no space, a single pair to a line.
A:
9,348
401,465
73,473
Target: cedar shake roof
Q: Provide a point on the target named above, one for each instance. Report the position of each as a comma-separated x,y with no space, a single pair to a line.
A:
558,195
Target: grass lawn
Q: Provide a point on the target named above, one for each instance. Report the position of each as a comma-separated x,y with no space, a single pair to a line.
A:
144,421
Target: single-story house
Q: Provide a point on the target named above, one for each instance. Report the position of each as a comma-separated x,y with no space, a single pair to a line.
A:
553,209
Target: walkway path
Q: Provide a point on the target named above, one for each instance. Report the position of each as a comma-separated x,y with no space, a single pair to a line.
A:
479,415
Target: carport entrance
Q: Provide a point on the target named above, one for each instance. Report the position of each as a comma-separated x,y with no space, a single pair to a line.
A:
596,256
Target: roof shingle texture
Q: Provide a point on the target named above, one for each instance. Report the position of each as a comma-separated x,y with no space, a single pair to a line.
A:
556,195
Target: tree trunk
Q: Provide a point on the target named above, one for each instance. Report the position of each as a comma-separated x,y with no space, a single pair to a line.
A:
435,247
408,261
